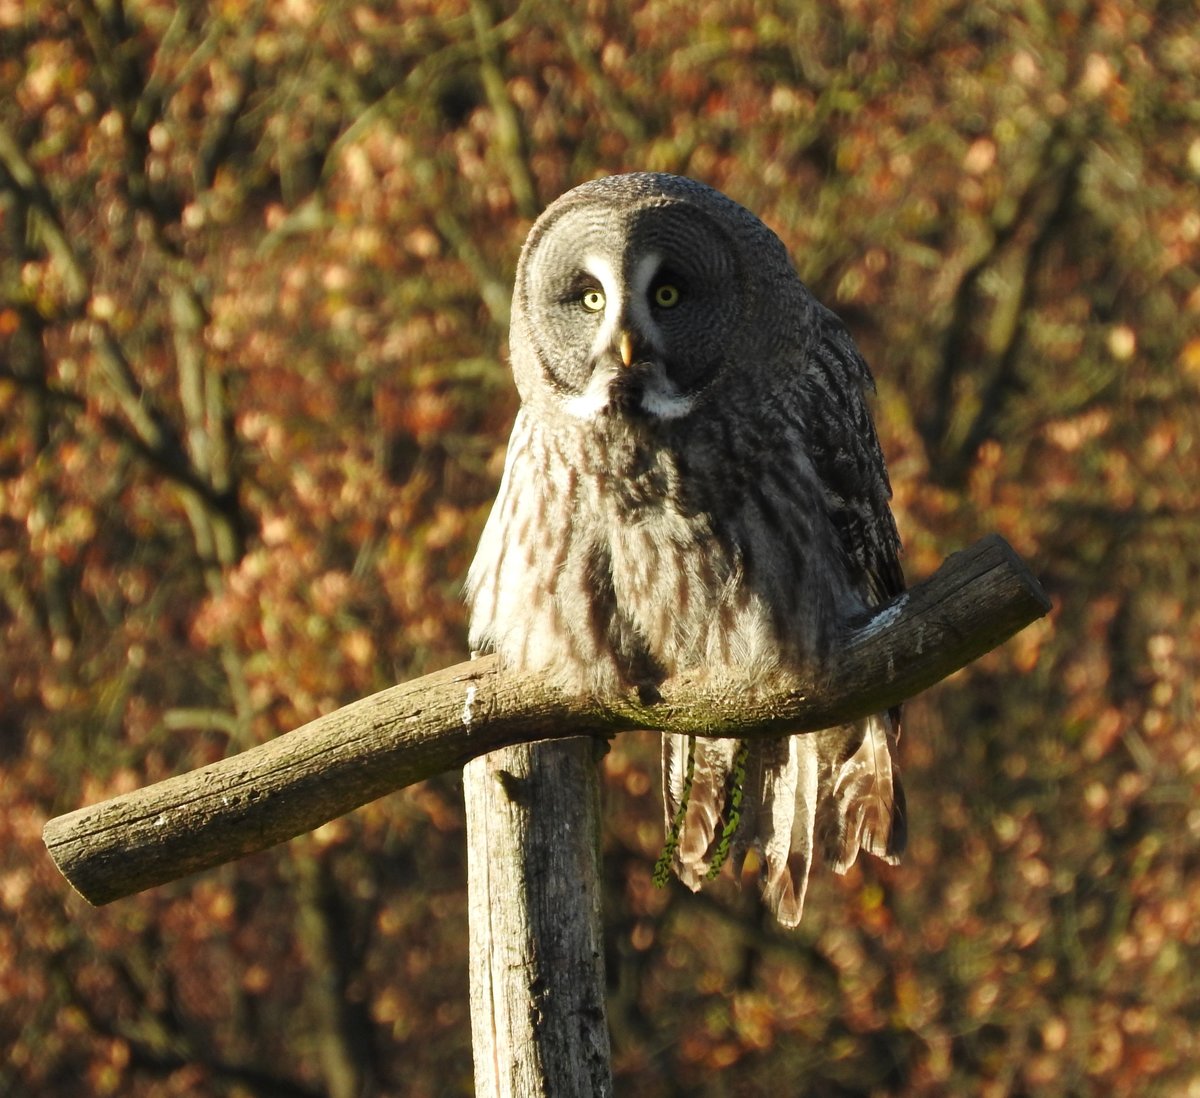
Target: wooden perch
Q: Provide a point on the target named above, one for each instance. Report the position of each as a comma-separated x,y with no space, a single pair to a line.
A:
976,600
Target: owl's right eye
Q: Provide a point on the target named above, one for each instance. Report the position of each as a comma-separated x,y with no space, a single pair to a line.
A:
592,300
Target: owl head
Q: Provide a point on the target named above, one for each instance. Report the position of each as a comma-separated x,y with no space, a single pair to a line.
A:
639,297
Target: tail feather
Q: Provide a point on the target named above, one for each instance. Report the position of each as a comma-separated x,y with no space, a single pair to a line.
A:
840,785
703,820
868,799
785,836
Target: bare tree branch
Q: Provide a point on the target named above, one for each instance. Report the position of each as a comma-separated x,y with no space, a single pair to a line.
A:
25,181
510,134
296,782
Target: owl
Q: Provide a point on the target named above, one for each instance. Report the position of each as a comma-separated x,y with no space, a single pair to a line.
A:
694,483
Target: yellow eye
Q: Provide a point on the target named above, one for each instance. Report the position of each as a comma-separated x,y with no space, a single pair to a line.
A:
666,295
593,300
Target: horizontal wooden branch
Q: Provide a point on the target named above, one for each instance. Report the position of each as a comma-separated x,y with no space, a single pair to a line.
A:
298,781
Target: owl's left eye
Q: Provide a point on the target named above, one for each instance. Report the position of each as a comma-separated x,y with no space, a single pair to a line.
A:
666,295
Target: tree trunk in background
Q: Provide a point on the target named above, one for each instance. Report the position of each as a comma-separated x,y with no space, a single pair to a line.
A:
538,1017
340,1038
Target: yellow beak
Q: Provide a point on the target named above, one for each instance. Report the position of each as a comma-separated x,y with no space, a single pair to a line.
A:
626,347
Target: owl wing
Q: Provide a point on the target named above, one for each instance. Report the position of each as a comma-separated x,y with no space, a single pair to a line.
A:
861,802
838,788
845,452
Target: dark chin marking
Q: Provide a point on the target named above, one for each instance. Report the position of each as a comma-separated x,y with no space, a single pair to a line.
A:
628,389
625,397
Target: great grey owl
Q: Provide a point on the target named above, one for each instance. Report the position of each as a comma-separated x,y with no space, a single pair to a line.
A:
694,482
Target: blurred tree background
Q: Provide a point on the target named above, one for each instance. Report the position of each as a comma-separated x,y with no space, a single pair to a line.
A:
254,278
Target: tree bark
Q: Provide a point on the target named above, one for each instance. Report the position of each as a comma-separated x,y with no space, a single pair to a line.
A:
298,781
538,1015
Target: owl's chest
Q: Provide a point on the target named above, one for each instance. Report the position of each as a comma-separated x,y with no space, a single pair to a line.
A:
652,512
723,564
683,581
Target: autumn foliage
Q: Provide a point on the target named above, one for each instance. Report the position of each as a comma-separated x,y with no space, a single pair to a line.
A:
254,281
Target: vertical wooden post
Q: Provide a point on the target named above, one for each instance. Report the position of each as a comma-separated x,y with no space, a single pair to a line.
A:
538,1017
